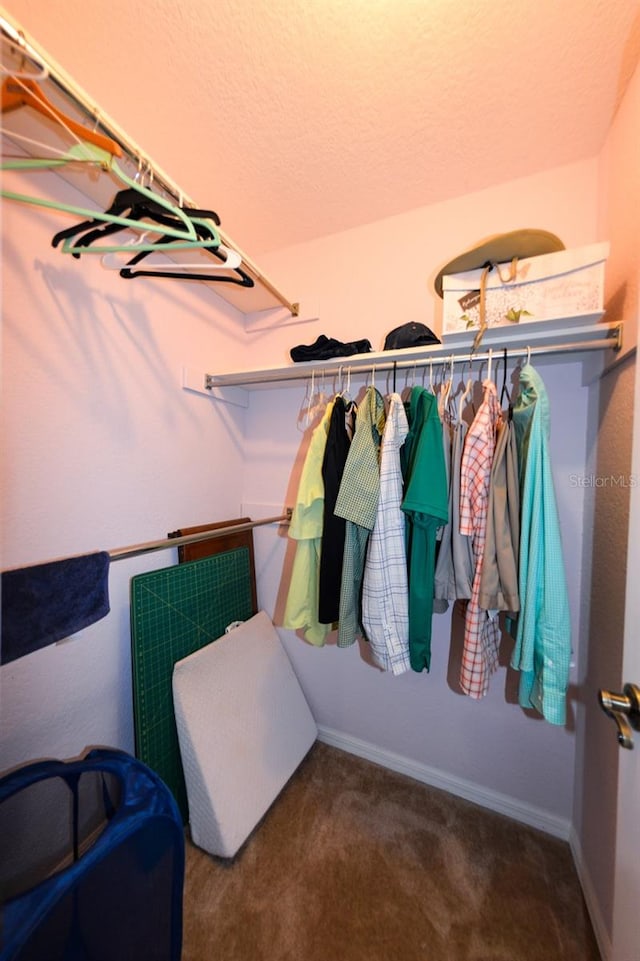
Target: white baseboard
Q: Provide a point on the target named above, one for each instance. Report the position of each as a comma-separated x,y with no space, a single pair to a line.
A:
597,921
502,803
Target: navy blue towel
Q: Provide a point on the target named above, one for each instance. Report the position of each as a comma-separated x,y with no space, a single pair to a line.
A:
46,602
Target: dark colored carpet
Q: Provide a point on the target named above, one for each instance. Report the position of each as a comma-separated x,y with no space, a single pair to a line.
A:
357,863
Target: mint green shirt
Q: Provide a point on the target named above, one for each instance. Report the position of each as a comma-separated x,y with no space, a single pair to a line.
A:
542,651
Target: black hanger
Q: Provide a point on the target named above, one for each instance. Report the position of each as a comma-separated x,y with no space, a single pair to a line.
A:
141,208
145,211
123,200
239,276
504,384
137,207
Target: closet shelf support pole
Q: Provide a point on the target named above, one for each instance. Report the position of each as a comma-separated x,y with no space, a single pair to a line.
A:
135,550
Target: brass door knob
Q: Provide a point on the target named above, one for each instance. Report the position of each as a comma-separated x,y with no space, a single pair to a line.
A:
625,710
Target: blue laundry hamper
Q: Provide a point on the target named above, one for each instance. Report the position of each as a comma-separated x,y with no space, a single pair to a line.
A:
91,862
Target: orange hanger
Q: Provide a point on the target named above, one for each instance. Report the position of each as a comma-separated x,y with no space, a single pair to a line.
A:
24,92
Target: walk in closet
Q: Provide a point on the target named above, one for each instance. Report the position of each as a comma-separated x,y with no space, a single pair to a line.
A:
135,407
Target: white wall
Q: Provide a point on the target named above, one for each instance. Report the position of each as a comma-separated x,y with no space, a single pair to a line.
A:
610,434
101,448
368,281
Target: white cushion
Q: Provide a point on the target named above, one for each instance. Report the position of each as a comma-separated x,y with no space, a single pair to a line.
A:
243,725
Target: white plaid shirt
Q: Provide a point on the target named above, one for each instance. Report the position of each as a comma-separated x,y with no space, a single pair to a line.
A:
385,592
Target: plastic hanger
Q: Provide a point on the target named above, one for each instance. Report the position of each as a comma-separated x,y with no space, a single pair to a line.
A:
147,247
504,379
445,390
138,207
467,390
89,152
16,40
504,387
231,258
239,277
463,397
200,273
204,222
345,392
307,402
20,91
22,138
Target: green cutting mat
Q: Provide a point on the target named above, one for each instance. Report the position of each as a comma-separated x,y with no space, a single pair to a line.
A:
174,612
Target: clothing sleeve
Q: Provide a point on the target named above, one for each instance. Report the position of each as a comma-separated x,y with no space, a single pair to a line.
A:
471,483
301,610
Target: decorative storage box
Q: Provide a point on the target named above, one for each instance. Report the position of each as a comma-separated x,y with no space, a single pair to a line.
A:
569,283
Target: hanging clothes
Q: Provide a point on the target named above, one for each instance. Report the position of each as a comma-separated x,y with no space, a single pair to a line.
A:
543,638
426,509
301,609
385,603
444,556
499,580
357,502
333,526
455,562
481,632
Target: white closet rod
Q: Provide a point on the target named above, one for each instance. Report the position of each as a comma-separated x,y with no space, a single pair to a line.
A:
609,336
15,35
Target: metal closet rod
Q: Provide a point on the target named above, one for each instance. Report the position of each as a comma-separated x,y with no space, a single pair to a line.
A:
67,86
135,550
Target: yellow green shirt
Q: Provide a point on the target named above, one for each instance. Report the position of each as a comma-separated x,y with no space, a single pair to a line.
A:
301,609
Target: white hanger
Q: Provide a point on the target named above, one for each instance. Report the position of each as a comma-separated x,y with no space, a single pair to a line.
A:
305,419
344,391
466,392
56,151
18,42
463,397
489,363
445,390
232,261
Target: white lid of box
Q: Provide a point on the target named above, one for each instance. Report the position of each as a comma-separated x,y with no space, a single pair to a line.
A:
531,270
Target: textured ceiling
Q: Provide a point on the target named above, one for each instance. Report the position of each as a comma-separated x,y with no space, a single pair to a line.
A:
298,118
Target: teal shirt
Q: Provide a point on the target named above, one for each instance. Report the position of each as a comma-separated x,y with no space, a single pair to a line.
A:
542,651
425,504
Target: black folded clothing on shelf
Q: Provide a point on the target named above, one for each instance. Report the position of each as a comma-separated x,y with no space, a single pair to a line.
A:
325,348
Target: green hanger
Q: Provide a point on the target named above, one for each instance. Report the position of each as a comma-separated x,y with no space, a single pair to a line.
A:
88,153
69,248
